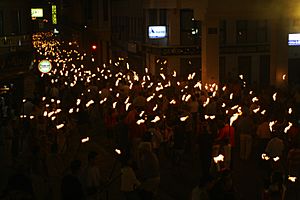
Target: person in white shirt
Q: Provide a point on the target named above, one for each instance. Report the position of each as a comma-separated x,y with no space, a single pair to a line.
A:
129,182
274,150
92,177
201,191
275,147
263,134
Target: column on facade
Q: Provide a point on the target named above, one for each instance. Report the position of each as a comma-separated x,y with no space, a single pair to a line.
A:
173,17
210,50
150,62
255,64
279,52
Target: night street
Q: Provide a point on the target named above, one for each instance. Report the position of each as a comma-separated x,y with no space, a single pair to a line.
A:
149,100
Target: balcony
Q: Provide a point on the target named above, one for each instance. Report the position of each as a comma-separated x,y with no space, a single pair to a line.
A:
16,53
15,43
173,50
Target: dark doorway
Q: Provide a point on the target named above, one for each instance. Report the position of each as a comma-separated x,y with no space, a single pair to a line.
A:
222,70
244,68
294,71
264,70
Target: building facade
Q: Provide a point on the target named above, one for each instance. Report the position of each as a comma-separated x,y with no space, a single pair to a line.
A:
15,36
127,36
88,22
16,52
218,40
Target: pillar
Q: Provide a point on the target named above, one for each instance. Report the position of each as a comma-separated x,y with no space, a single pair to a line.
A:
210,51
279,52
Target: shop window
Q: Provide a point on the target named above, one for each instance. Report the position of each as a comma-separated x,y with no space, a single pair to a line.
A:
262,31
190,29
152,17
241,31
105,10
223,32
162,16
1,23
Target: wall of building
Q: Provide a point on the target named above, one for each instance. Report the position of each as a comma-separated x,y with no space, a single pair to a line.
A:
263,51
15,17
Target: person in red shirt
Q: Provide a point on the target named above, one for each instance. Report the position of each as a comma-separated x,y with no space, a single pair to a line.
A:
135,131
226,140
226,135
293,159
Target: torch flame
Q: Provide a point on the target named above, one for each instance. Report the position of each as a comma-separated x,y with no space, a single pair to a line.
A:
118,151
156,119
274,96
276,158
219,158
85,140
89,103
254,99
206,102
288,127
140,121
184,118
271,124
292,179
60,126
283,76
265,157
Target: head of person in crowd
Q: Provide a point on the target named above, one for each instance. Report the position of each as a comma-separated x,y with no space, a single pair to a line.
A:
54,148
145,148
295,144
126,160
147,137
92,157
276,185
226,178
206,181
75,166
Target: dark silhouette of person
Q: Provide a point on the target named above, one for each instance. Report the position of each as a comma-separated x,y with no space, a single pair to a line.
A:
19,186
71,187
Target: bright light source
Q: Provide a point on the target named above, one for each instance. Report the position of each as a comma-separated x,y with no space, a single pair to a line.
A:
219,158
118,151
85,140
292,179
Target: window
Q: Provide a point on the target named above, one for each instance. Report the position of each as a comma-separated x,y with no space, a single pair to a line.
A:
152,17
1,23
19,14
222,69
244,68
264,70
223,32
189,28
105,10
241,31
15,22
189,66
262,31
89,9
162,16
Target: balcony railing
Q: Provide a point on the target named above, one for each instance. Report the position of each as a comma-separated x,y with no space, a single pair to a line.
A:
15,41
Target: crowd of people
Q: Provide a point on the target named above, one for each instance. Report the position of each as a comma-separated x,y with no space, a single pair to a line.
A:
147,118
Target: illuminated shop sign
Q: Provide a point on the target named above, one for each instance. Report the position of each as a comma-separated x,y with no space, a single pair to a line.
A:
294,39
45,66
37,12
54,17
155,32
